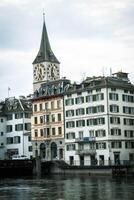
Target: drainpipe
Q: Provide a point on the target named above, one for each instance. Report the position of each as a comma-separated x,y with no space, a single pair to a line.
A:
109,147
64,127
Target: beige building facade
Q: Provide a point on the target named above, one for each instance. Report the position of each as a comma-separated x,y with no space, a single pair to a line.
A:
48,127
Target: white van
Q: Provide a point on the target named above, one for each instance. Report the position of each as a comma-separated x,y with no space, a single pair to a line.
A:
18,157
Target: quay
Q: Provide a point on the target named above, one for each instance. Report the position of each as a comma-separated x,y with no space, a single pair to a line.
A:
16,167
59,167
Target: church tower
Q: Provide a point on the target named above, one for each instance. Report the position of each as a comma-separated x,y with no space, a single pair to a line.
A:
46,65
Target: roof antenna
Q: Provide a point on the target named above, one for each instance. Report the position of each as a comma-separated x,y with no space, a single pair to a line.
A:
110,71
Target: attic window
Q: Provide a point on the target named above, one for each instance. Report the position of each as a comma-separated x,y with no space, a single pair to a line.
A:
113,89
125,91
89,91
98,90
79,93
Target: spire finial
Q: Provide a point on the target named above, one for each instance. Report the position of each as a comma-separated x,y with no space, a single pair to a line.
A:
43,15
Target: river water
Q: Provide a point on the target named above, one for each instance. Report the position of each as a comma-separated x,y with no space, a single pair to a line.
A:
67,188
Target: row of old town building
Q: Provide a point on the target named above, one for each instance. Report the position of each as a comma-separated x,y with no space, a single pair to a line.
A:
91,123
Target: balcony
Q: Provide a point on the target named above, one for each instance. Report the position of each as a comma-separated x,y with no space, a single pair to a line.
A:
86,152
85,139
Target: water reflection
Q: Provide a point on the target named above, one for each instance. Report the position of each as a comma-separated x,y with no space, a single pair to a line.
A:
67,188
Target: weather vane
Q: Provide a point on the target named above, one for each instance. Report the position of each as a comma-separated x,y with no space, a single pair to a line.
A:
43,15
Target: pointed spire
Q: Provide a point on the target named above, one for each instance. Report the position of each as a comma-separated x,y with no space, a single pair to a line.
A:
45,52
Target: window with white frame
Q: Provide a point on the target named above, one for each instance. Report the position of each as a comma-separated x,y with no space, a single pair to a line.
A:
28,126
70,147
99,108
70,135
128,98
69,113
116,144
69,102
129,133
100,133
129,144
18,115
80,111
99,97
114,108
70,124
128,110
9,140
115,131
89,98
113,96
80,123
79,100
16,139
115,120
89,110
9,116
9,128
101,145
95,109
128,121
95,121
18,127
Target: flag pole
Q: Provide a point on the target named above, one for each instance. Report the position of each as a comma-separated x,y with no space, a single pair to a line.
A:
8,91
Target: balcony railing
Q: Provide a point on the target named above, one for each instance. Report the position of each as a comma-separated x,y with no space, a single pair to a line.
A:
85,139
86,152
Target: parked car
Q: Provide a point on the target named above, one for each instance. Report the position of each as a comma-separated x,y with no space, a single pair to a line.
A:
19,157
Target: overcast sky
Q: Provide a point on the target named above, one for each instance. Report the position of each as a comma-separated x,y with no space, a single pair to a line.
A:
87,36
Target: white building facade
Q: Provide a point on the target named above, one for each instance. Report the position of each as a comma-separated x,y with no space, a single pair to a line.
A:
99,121
16,128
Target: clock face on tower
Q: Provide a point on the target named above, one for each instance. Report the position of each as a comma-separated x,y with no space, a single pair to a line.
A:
52,71
39,72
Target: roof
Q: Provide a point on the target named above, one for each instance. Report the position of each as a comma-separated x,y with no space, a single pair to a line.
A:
12,104
52,89
101,82
45,52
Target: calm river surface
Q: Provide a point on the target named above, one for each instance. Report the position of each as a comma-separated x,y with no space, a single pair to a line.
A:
67,188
